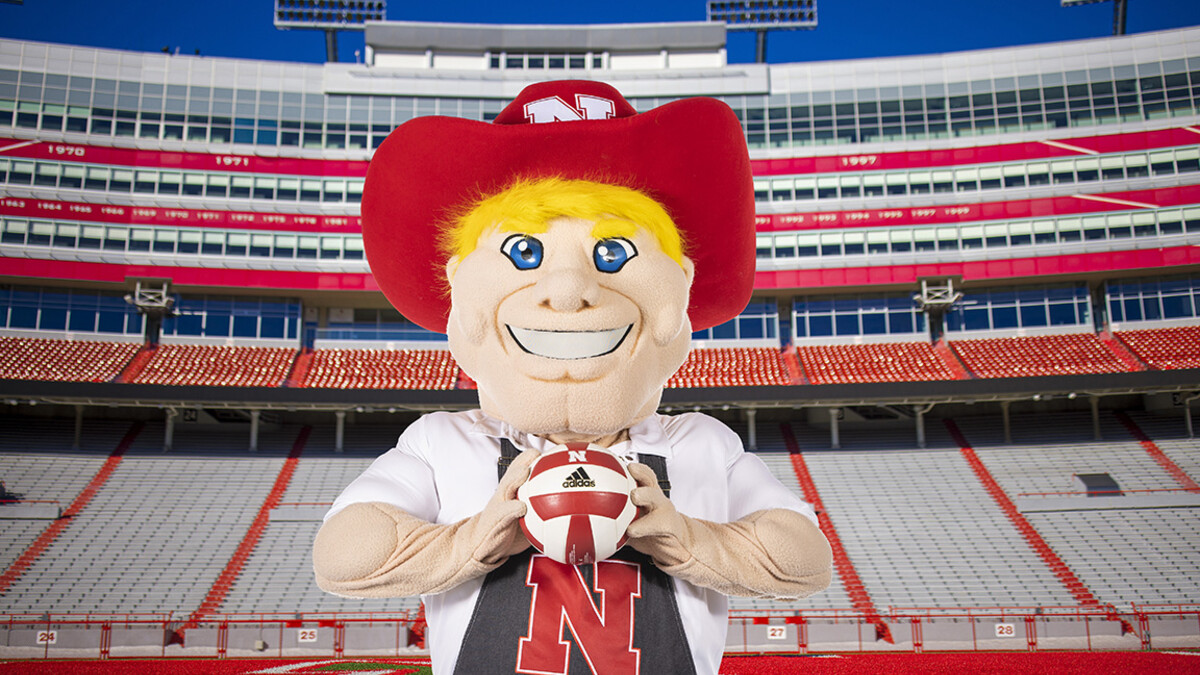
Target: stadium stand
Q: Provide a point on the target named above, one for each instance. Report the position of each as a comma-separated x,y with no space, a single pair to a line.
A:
430,369
884,362
1036,356
63,360
731,367
922,532
163,550
38,464
1169,434
1165,348
277,577
1048,450
217,365
1144,556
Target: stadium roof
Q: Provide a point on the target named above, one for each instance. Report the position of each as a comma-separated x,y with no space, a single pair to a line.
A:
613,37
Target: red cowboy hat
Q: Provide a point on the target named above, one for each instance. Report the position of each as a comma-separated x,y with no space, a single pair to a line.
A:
689,155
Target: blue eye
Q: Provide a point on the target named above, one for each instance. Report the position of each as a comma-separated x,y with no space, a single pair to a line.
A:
524,251
611,255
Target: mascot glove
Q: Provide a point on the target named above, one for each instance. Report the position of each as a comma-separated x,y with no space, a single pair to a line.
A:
375,550
775,553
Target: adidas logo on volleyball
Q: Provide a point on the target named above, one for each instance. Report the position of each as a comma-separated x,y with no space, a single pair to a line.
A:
579,479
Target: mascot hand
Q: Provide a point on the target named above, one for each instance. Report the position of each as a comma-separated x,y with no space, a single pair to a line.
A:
496,531
660,531
773,553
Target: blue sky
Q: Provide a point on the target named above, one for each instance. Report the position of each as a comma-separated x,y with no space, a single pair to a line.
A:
848,28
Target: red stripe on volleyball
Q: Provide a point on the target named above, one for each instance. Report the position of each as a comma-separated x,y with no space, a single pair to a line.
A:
590,457
532,539
581,547
603,504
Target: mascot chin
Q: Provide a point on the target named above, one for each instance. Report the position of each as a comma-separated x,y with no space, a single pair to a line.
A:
568,250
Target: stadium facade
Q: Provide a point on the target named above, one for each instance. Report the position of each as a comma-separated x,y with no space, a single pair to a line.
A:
1023,191
1008,234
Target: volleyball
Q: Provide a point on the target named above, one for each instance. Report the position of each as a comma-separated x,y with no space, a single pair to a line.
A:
578,504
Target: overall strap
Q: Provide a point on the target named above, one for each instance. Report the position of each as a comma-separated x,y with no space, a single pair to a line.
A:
658,464
508,452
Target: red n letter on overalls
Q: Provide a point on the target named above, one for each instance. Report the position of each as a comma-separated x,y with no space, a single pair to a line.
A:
604,634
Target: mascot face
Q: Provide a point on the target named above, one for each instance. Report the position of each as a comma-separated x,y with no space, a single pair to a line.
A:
566,334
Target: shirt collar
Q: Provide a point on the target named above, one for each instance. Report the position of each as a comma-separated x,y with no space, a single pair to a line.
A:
647,437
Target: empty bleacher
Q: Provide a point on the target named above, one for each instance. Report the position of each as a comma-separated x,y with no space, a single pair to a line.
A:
1048,450
1165,348
278,575
63,360
38,464
922,531
1170,435
884,362
1125,556
1037,356
217,365
160,531
731,367
429,369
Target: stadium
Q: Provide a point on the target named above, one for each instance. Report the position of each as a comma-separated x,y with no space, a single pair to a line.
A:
973,345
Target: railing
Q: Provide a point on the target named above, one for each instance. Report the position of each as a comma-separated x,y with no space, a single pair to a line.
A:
917,629
1093,493
397,634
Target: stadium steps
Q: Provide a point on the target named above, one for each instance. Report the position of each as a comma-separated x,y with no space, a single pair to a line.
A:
859,597
1181,477
137,364
1122,352
299,370
795,371
1060,569
51,533
233,568
953,363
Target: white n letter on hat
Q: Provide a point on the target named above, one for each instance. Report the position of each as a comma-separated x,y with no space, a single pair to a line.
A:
554,109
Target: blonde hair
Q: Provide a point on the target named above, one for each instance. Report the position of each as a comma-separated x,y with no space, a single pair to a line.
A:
528,206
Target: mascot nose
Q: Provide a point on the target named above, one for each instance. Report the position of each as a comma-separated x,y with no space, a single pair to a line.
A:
568,289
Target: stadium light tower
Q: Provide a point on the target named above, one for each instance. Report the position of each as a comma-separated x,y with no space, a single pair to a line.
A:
329,16
1118,12
761,16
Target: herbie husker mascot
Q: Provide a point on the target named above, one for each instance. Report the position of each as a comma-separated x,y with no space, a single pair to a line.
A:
581,243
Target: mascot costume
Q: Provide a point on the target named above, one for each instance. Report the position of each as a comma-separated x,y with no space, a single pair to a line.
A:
568,249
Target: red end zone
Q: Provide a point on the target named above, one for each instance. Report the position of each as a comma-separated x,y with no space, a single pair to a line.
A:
981,663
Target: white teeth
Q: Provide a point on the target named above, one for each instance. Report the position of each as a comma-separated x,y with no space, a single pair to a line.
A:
568,345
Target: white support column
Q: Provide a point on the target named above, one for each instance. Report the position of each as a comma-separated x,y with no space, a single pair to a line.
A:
340,437
920,418
1095,402
254,416
169,433
78,427
1187,414
751,425
835,441
1004,406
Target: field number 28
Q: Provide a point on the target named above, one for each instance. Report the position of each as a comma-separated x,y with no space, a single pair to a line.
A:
1006,630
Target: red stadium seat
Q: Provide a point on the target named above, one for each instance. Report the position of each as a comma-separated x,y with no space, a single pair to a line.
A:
381,369
731,367
1165,348
882,362
1038,356
63,360
217,365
